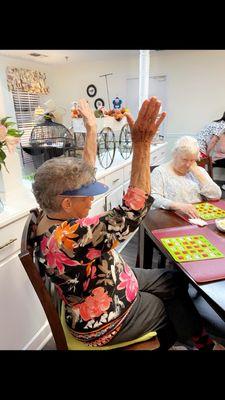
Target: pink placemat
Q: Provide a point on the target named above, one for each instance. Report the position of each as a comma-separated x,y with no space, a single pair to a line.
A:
203,270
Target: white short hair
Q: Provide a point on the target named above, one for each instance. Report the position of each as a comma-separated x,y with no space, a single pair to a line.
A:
186,144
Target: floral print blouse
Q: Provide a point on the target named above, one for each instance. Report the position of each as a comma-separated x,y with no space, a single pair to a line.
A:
205,135
93,280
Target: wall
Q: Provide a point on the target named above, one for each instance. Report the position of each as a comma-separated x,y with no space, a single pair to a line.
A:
6,101
69,82
195,84
195,87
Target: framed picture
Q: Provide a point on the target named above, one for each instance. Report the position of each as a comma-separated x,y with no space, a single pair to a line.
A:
99,103
91,90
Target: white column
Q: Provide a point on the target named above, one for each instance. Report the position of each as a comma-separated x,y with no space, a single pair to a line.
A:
144,63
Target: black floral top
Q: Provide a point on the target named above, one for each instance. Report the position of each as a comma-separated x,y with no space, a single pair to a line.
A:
93,280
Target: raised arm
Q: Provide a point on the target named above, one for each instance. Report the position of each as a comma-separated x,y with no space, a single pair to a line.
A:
142,133
208,188
90,146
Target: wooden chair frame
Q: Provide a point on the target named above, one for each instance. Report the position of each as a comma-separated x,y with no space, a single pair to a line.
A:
207,161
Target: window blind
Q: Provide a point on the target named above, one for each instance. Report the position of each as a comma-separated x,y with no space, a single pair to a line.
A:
24,105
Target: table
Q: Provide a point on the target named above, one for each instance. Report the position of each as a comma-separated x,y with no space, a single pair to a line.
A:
213,292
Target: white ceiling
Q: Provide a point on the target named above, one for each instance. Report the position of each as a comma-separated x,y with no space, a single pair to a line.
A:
73,56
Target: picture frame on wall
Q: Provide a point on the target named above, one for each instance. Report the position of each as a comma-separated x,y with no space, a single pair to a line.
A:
91,90
99,103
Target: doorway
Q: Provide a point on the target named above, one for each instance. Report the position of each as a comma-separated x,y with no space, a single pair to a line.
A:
157,87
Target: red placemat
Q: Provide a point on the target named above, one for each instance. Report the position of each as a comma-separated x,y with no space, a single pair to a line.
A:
203,270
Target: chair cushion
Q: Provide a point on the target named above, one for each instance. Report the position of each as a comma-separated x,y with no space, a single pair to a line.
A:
74,344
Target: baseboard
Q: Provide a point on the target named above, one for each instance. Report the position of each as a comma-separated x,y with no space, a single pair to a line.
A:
39,340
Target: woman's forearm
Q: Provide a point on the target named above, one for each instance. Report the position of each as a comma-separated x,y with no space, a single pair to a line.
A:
140,172
90,147
212,144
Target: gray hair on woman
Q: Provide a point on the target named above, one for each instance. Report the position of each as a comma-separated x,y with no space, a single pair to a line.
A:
58,175
186,144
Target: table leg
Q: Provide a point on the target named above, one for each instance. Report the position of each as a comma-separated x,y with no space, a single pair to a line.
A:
161,260
145,249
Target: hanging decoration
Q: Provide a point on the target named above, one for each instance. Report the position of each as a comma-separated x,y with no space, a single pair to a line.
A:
99,103
31,81
91,90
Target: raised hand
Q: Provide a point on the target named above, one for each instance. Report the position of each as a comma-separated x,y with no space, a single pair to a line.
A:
87,114
148,121
194,167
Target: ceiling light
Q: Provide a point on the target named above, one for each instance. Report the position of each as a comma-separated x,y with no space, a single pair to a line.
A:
37,55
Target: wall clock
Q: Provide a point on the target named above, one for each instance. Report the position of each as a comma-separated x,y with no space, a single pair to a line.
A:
91,90
99,103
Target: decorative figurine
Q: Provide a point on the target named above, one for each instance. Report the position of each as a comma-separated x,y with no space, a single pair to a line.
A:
117,102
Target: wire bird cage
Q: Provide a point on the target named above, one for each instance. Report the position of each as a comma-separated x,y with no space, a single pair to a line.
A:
50,139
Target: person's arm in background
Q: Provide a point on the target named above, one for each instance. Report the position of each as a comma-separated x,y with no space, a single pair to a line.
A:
208,188
221,143
212,143
90,146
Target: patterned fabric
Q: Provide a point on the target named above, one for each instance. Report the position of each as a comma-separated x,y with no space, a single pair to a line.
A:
93,280
167,187
205,135
31,81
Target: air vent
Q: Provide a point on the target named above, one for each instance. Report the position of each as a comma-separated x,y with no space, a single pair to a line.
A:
37,55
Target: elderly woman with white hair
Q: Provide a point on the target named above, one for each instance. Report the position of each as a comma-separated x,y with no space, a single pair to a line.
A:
179,183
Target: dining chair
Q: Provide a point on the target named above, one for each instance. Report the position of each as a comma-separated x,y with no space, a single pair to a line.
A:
207,164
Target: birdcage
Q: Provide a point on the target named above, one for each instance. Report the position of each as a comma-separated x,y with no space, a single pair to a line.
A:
50,139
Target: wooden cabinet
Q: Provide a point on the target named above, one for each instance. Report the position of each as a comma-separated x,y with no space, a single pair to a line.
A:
114,198
98,207
23,321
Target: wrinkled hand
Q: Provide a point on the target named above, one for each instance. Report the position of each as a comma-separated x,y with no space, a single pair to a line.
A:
148,121
87,114
189,209
194,167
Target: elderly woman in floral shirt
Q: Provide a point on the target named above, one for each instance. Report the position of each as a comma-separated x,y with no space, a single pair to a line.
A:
106,300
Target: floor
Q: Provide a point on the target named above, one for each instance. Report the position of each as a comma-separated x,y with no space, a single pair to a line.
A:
129,254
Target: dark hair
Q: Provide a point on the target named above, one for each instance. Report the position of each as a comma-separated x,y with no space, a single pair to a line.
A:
221,119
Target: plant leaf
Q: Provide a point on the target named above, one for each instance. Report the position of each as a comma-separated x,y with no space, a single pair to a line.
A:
2,158
6,124
14,132
3,120
3,162
2,155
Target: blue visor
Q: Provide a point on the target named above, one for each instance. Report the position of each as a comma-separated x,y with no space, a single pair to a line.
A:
92,189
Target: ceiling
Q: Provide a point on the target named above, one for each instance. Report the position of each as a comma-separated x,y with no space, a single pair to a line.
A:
68,56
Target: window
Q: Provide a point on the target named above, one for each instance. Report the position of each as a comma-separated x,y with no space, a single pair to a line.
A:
24,105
